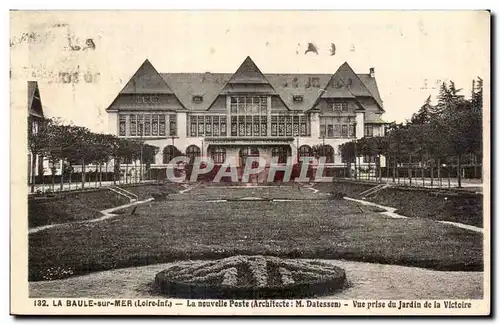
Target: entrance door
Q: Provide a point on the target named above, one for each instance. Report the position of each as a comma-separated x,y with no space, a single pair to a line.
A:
246,152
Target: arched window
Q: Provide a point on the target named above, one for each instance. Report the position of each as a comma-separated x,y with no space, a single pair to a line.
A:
282,152
169,153
328,152
247,152
305,151
218,155
192,152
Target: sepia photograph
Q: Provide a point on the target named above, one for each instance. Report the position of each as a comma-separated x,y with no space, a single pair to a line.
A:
250,162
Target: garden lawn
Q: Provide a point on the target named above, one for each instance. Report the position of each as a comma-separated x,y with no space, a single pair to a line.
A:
86,205
455,206
70,207
191,229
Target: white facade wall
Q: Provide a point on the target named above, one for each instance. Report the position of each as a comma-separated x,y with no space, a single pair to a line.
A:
182,141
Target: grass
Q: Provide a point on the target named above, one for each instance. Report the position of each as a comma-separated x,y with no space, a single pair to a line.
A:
69,207
187,227
86,205
455,206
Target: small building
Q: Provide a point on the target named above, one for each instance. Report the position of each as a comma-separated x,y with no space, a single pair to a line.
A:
35,115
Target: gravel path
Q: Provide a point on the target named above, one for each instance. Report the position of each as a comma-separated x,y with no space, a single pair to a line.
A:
367,281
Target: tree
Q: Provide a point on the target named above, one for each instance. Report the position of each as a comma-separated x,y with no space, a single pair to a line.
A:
424,114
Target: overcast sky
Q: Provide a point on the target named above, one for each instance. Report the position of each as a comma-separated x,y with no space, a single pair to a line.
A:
409,50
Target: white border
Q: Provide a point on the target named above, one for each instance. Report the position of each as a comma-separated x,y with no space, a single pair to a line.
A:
128,4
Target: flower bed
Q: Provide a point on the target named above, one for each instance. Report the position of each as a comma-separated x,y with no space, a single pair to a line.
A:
250,277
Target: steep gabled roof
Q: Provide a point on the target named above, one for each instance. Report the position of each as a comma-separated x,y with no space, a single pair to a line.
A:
248,73
187,85
309,86
337,88
371,84
146,80
35,107
345,82
210,85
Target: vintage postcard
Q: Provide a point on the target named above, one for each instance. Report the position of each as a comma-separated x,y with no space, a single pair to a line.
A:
250,162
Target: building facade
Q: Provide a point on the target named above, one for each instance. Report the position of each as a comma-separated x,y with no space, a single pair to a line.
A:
35,115
247,113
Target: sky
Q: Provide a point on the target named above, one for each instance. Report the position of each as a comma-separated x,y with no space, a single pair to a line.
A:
412,52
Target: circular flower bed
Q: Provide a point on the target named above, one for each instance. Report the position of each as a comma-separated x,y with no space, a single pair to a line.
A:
250,277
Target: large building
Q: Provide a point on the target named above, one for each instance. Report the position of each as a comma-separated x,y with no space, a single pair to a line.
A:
230,116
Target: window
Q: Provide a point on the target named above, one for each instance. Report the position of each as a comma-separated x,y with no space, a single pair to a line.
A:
201,126
337,130
274,125
155,124
344,107
288,125
303,125
241,123
305,151
234,126
208,126
352,130
223,126
197,99
248,125
147,125
256,125
296,122
247,152
249,105
344,130
281,125
263,125
298,98
216,126
123,125
368,130
173,124
169,153
193,126
332,127
218,155
336,107
133,125
234,105
282,152
329,132
161,125
192,152
327,152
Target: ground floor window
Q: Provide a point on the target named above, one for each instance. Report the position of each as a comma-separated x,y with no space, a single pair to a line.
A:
193,152
336,127
282,152
247,152
169,153
218,155
327,152
305,151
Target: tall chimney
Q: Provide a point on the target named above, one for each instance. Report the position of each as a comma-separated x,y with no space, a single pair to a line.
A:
372,72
